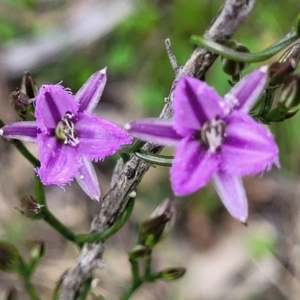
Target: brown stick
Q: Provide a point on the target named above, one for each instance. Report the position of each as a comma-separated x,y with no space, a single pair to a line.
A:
127,177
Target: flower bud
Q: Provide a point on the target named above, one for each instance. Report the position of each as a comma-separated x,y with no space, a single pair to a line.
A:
38,250
291,113
290,93
158,225
279,71
20,102
28,85
232,67
20,98
30,208
172,273
139,252
9,257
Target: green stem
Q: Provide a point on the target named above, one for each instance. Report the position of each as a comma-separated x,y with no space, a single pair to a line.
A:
242,56
40,191
25,152
137,146
135,272
57,225
131,290
155,159
149,278
25,275
148,266
48,216
86,289
96,237
30,289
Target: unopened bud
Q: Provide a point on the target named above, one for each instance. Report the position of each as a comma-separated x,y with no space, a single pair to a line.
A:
20,103
291,113
30,208
232,67
290,93
172,273
20,98
28,85
9,257
159,224
279,71
38,250
279,114
139,252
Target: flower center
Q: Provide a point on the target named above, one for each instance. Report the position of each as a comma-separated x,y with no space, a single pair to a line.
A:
65,130
212,134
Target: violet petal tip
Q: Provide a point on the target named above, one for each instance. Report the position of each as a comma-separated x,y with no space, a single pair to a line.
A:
127,126
264,69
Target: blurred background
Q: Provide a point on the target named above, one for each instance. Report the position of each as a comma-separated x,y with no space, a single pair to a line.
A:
68,40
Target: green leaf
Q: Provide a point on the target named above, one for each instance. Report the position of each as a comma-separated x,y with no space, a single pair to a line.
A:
246,57
155,159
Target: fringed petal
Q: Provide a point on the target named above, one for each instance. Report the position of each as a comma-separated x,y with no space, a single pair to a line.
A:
248,148
59,162
99,138
52,103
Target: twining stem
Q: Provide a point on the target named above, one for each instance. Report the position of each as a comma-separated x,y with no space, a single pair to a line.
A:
48,216
242,56
40,192
137,283
137,280
131,290
148,266
155,159
96,237
30,289
86,289
137,146
25,152
135,272
57,225
25,274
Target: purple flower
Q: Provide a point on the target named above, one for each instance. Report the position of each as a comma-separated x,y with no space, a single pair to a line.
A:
215,138
69,136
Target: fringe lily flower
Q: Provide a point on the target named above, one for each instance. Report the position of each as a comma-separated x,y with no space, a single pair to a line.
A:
69,135
215,138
